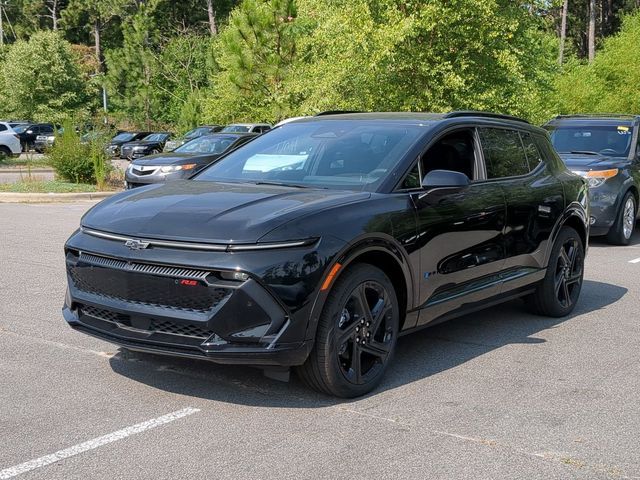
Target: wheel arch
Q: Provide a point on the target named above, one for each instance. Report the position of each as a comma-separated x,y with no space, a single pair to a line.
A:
575,217
381,252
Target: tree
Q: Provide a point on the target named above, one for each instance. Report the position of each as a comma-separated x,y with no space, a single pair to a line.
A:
609,84
41,79
423,56
592,30
256,53
563,30
95,14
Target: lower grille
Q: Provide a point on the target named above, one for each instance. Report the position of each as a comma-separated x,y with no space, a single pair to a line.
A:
152,326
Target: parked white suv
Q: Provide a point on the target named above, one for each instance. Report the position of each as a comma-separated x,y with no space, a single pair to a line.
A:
9,141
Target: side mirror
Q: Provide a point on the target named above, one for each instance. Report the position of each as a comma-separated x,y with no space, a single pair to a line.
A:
445,178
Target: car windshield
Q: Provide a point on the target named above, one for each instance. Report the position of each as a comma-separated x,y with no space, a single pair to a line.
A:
155,137
207,144
613,140
236,129
123,136
197,132
350,155
20,128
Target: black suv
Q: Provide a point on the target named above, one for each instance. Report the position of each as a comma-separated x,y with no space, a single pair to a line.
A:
29,132
604,149
317,244
149,145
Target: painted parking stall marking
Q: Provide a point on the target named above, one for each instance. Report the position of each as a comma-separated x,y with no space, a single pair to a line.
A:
635,260
95,443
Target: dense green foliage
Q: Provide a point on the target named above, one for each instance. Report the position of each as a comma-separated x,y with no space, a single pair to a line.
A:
70,158
41,79
174,65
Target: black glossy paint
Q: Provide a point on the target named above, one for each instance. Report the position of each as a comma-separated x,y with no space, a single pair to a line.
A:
446,250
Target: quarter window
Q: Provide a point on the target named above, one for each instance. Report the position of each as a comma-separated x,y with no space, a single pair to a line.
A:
531,149
2,128
503,153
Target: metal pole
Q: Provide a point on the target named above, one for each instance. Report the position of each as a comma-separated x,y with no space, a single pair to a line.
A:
1,26
104,104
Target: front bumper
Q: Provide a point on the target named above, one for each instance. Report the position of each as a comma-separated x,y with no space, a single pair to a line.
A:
148,308
132,180
604,203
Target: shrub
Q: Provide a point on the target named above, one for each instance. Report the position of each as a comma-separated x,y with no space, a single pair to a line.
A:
72,159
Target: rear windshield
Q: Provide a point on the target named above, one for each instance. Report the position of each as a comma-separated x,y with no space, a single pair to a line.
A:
612,140
124,136
235,129
196,132
155,137
351,155
207,144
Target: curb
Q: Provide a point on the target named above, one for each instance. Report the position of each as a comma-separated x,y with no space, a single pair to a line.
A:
11,197
22,169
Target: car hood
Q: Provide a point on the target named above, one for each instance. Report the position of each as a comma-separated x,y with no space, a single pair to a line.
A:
210,212
575,161
174,158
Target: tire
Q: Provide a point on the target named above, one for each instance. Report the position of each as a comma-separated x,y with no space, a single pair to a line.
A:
558,293
5,152
622,229
349,330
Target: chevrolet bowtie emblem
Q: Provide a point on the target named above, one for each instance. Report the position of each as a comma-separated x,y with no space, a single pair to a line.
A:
134,244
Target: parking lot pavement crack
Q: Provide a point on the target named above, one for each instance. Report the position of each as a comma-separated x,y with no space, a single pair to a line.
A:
608,470
54,344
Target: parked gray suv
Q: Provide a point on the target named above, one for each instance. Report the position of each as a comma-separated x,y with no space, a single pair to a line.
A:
604,149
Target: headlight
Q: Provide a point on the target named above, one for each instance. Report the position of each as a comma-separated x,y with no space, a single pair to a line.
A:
595,178
175,168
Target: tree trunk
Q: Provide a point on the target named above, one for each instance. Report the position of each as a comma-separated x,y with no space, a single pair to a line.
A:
213,28
563,31
54,14
592,30
96,36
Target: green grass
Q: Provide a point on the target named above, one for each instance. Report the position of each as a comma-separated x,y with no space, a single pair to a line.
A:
24,162
50,186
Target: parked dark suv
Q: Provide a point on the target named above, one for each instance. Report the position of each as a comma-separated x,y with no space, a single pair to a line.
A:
28,133
604,149
317,244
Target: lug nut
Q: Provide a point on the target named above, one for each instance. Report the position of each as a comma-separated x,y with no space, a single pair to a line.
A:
357,339
368,334
362,321
368,323
357,329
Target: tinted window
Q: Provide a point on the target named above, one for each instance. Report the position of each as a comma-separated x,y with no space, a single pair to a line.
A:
46,129
207,144
503,153
235,129
156,137
350,155
614,140
531,150
123,137
2,128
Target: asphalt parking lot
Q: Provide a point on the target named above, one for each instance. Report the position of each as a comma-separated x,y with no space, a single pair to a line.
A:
497,394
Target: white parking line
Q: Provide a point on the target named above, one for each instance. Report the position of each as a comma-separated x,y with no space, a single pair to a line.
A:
635,260
95,443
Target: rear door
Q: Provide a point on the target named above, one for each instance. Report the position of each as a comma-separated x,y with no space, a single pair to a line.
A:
534,198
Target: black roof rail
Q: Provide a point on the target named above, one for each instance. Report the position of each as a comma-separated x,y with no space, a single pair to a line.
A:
473,113
597,115
336,112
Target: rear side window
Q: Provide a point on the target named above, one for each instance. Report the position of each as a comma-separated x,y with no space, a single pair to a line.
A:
504,153
531,150
2,128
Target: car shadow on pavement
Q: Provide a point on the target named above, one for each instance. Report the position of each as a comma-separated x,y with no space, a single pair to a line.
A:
601,242
418,356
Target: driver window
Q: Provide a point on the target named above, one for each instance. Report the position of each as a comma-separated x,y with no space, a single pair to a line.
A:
455,151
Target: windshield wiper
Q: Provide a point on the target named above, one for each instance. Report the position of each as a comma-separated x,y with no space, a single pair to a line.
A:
280,184
583,152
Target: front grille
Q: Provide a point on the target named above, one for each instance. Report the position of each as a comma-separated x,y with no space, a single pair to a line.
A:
154,326
143,267
144,284
142,173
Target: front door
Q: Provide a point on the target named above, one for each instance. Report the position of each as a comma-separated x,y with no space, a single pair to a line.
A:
460,230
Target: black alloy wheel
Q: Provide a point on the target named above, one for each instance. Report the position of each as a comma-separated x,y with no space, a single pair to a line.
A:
357,334
558,293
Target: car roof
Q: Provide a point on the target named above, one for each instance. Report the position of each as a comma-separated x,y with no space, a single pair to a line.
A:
605,119
428,119
248,124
